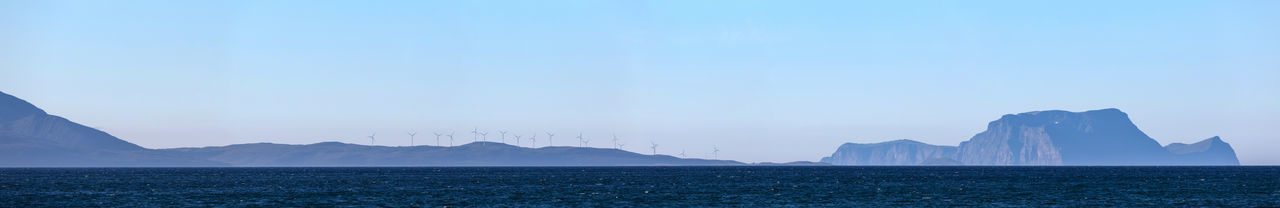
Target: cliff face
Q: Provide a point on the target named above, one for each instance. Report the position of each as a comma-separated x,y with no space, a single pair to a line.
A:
1098,137
900,152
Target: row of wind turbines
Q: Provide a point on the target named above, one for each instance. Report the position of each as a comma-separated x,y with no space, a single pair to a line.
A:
478,136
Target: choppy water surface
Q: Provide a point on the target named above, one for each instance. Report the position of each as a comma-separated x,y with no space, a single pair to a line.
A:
643,186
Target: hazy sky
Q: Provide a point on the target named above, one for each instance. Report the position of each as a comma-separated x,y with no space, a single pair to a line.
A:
763,80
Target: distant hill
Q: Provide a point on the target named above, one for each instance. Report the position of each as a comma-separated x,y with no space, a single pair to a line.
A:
29,137
1098,137
898,152
1211,151
473,154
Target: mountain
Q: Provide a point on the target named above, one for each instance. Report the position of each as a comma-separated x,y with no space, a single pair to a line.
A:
1055,137
1211,151
473,154
899,152
1097,137
30,137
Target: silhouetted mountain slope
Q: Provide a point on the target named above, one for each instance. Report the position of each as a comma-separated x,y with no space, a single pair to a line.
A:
29,137
1211,151
1098,137
898,152
473,154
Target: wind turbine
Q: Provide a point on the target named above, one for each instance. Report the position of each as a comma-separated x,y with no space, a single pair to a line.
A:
615,142
437,137
517,139
654,147
533,141
475,134
484,136
581,142
411,134
450,138
715,154
371,138
682,153
549,141
504,136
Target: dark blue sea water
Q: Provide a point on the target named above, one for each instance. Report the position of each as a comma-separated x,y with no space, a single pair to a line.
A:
643,186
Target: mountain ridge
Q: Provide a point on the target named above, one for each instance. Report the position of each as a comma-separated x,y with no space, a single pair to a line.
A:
30,137
1057,137
472,154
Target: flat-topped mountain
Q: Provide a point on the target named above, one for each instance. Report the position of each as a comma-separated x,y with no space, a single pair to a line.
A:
898,152
473,154
1098,137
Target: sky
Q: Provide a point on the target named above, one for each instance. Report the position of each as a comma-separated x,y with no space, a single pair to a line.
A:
772,81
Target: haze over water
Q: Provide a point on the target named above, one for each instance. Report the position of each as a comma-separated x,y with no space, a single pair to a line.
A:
745,76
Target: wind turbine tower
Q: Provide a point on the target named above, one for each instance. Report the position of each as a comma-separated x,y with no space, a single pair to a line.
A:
549,141
533,141
450,139
581,142
715,153
371,138
517,139
437,137
411,134
475,134
682,154
504,136
654,147
615,142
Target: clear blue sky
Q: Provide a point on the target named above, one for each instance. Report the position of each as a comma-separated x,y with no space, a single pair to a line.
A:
763,80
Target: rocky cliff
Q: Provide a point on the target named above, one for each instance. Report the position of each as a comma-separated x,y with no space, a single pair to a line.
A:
899,152
1098,137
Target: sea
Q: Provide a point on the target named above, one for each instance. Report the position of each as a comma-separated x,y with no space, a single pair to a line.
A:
726,186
